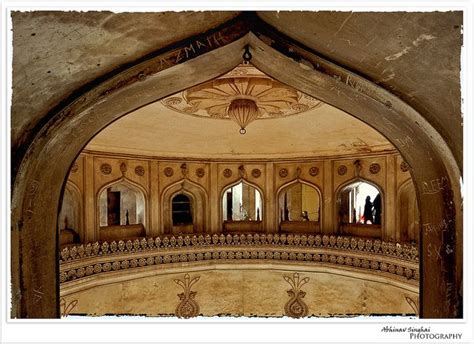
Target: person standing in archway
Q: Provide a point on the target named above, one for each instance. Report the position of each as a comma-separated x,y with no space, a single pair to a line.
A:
377,209
368,216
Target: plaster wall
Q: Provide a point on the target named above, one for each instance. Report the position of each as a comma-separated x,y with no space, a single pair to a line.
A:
247,292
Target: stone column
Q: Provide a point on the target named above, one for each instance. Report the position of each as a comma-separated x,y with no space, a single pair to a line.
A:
269,216
91,227
389,205
155,201
327,203
215,203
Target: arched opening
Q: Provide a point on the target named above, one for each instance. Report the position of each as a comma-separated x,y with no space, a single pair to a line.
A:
299,207
181,209
242,208
38,184
121,211
184,209
360,209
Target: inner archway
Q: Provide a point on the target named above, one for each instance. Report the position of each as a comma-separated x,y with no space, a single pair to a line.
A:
437,178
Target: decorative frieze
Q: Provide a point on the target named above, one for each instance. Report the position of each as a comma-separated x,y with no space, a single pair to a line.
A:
376,255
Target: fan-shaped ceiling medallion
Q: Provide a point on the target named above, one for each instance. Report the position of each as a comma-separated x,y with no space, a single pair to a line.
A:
244,94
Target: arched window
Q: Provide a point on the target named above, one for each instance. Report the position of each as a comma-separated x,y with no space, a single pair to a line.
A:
121,204
360,210
181,210
242,208
299,208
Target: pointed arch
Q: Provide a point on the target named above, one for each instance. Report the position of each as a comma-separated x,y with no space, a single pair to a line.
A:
133,186
64,132
200,208
304,182
235,183
358,179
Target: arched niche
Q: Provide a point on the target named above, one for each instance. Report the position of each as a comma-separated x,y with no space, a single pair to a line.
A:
121,210
360,208
70,217
37,184
408,217
198,207
242,207
299,207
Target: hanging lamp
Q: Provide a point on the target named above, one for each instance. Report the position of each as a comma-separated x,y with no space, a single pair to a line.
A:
243,111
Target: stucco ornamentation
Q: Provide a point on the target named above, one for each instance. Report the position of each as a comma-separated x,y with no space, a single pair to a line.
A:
256,173
168,171
342,170
123,167
227,173
106,168
283,173
139,171
65,307
374,168
212,99
404,166
313,171
187,307
399,261
200,172
414,304
296,307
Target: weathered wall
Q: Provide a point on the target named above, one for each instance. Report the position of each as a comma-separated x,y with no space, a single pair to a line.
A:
246,292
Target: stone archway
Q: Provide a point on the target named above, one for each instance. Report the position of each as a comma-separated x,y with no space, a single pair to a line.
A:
38,183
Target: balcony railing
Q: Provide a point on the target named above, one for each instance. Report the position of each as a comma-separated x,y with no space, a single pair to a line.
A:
392,260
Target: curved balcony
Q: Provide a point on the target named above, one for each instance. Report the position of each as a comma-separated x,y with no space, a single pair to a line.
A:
391,260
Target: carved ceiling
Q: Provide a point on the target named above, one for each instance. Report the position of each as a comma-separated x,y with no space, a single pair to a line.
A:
212,99
184,125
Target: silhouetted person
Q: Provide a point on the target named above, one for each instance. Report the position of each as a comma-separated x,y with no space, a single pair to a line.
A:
377,209
305,216
368,211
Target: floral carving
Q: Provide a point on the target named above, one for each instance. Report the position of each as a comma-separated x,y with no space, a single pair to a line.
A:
187,307
296,307
65,307
123,167
394,260
168,171
313,171
212,99
283,172
227,173
139,171
342,170
106,168
413,304
374,168
200,172
256,173
404,166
